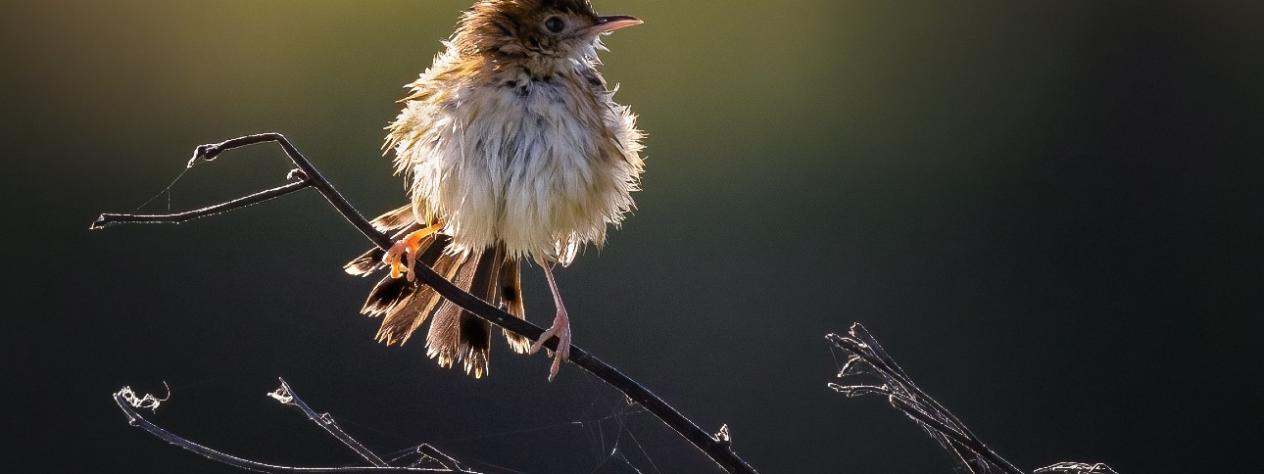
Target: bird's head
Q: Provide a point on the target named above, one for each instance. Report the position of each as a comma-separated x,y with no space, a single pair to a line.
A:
535,30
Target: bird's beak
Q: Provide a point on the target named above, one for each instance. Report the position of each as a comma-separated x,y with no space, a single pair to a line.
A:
607,24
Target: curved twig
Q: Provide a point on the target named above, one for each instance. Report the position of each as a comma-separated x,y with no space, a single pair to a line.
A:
719,450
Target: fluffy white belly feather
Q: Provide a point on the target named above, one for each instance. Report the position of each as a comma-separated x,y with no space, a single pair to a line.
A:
525,163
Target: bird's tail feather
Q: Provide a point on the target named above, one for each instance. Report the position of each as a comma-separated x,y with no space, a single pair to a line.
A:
454,334
510,290
404,304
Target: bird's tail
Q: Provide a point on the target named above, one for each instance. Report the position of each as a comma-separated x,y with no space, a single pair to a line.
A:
454,335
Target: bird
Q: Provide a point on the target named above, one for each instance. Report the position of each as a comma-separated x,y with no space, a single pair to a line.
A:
513,151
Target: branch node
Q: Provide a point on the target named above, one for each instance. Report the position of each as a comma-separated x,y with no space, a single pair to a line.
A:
147,401
427,452
296,176
101,223
282,394
205,154
724,436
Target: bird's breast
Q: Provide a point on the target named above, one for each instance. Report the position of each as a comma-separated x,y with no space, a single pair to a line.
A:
530,163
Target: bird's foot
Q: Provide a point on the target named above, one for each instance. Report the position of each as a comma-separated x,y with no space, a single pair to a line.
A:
402,256
561,329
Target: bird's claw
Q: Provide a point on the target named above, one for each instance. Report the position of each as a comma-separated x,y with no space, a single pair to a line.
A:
561,329
402,256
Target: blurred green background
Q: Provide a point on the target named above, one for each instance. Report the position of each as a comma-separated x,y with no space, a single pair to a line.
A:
1048,211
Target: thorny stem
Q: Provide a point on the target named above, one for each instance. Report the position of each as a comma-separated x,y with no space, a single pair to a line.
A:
129,403
720,451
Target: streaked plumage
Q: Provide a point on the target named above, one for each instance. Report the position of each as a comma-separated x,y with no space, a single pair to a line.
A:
512,142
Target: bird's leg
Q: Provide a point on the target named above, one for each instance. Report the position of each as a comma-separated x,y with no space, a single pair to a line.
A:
402,256
561,327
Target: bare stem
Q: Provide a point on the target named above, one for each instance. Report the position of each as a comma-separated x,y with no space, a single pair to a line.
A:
108,219
130,404
286,396
869,358
718,450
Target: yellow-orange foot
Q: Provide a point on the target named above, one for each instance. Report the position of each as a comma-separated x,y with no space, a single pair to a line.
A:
402,256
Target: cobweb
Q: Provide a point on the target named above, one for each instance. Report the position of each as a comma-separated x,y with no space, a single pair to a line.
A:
606,428
611,442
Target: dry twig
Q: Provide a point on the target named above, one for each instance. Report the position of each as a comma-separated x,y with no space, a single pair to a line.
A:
306,176
130,404
869,370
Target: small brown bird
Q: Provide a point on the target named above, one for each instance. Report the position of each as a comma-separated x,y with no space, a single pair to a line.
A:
512,149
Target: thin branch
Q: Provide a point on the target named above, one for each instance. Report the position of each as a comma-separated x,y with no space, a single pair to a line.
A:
869,360
720,451
286,396
108,219
130,404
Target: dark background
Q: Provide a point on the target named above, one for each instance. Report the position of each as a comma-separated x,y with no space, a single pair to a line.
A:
1048,211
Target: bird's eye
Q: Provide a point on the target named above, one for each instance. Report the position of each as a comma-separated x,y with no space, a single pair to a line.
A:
555,24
